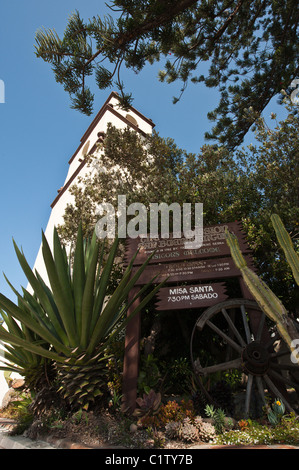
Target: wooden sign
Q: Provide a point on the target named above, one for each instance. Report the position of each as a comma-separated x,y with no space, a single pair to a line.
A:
173,249
195,296
194,270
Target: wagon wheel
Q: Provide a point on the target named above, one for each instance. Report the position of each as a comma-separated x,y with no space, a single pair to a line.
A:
240,337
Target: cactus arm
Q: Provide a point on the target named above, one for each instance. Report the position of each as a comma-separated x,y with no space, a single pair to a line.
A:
286,244
259,289
267,300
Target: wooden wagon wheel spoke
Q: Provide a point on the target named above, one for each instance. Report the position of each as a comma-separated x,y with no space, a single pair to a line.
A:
233,328
260,388
235,364
248,394
224,336
246,325
277,393
292,367
261,327
285,380
279,354
233,346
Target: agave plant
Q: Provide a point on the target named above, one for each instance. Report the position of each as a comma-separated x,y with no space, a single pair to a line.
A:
36,369
72,320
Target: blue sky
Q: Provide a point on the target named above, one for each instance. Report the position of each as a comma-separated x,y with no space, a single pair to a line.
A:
39,131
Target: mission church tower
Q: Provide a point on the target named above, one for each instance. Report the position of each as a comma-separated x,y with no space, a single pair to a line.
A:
111,112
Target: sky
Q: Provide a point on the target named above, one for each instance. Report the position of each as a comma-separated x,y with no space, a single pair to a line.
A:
39,132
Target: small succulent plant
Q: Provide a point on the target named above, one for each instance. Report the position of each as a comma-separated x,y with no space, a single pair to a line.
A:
207,432
188,432
149,404
172,429
275,414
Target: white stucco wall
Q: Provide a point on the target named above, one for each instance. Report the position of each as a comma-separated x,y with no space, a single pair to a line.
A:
3,386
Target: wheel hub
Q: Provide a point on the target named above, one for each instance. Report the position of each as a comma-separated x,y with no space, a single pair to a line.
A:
255,358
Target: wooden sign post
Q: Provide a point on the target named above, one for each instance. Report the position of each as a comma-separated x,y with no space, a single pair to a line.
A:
172,249
191,270
177,265
131,357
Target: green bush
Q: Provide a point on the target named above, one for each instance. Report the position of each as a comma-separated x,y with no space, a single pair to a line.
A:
286,432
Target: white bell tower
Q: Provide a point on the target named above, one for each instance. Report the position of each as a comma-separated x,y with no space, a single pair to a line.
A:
111,112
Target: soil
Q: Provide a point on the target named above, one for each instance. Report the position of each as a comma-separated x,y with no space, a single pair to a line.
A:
101,430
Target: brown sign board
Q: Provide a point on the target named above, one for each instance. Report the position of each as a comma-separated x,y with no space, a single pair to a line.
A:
193,270
195,296
173,249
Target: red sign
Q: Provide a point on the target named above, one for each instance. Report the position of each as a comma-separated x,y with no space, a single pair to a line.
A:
195,296
173,249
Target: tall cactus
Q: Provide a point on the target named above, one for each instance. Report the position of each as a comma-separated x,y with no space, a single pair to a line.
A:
264,296
285,242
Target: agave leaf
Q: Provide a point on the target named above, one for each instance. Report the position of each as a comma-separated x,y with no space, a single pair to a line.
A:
12,325
103,286
11,339
60,295
91,246
37,287
27,307
111,307
138,273
11,369
57,323
118,314
61,263
138,308
111,312
7,305
88,296
79,277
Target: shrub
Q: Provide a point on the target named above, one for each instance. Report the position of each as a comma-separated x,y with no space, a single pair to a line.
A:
286,432
171,411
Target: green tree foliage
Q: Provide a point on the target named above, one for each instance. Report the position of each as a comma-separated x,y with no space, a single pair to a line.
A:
273,169
250,47
248,185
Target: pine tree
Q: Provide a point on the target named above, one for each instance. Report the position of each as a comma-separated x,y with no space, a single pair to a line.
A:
250,46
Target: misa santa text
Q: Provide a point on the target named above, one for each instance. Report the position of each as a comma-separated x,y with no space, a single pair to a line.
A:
153,459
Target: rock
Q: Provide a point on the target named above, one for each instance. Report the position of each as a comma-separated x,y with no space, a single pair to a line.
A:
10,394
133,428
13,392
18,383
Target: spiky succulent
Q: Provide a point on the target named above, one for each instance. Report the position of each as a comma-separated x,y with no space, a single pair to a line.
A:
72,318
188,431
206,432
147,405
172,429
